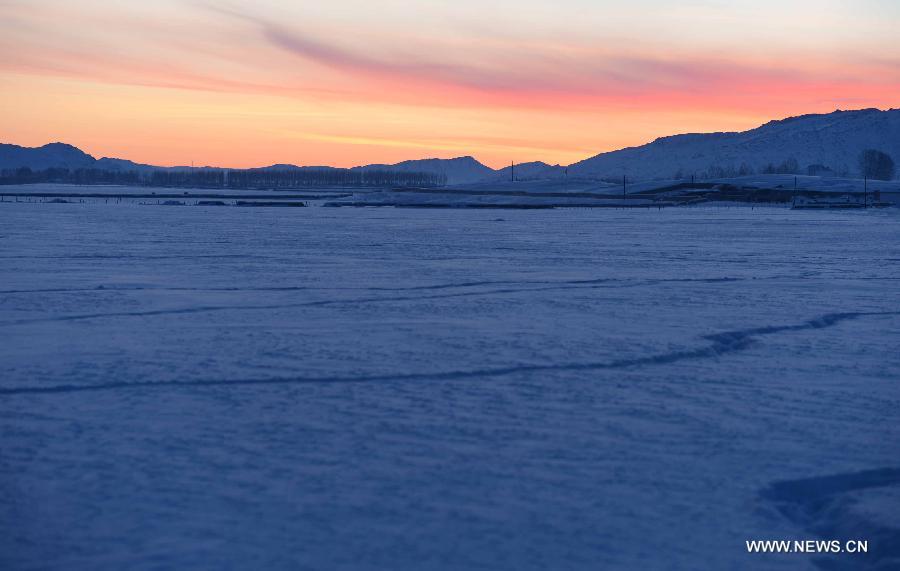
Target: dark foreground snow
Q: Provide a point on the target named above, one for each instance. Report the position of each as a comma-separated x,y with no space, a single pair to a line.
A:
408,389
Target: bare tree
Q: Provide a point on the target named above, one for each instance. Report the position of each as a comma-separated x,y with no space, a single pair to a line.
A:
876,164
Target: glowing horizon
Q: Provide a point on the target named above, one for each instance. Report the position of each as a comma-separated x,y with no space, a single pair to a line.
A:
243,84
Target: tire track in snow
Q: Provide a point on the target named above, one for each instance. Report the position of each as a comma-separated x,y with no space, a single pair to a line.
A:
376,288
720,344
574,285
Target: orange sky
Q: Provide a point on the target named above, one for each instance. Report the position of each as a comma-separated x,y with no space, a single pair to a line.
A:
350,82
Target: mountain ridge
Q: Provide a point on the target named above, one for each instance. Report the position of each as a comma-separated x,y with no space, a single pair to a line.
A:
826,142
829,141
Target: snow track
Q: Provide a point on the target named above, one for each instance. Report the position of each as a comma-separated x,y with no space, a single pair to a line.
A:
722,344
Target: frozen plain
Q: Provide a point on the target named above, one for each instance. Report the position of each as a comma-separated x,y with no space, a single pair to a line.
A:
190,387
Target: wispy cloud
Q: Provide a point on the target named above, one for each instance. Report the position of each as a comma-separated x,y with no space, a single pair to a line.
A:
283,58
511,76
568,72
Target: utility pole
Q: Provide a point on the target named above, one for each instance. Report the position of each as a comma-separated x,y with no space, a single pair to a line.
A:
512,171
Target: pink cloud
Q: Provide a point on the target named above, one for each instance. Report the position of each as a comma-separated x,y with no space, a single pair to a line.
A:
489,74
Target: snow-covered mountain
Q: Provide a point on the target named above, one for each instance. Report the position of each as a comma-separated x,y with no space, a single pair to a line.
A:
830,141
460,170
808,144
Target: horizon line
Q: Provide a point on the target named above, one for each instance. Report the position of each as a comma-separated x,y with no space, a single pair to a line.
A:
464,156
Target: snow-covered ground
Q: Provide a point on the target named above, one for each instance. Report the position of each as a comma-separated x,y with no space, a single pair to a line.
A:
549,192
445,389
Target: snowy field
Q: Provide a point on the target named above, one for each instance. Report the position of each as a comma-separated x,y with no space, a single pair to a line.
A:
209,388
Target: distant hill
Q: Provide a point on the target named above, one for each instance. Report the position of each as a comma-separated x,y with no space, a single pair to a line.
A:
460,170
59,155
120,165
830,142
284,167
535,170
54,155
827,144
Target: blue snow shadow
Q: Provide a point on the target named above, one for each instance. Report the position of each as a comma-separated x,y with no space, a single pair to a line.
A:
827,507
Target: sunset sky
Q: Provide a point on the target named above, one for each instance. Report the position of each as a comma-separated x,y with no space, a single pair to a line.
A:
347,82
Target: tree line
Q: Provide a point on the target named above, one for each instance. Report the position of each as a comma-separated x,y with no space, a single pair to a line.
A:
872,163
25,175
876,164
291,178
216,178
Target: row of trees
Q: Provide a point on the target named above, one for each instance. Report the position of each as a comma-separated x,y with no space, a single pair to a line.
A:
789,166
331,177
873,164
77,176
876,164
237,179
718,171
